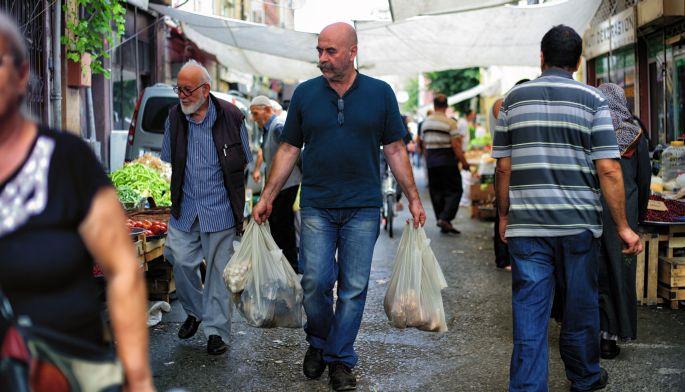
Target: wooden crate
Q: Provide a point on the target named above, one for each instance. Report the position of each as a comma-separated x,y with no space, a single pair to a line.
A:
672,280
154,248
646,282
160,280
160,289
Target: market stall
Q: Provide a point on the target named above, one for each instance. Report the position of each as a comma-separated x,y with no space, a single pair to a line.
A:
661,267
143,187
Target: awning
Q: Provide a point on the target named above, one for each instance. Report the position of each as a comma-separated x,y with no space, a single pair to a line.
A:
467,94
142,4
404,9
250,47
503,35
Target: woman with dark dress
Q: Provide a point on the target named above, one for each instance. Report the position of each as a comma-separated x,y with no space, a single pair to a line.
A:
59,212
617,296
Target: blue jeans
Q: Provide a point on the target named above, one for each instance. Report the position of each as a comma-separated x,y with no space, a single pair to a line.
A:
538,265
352,232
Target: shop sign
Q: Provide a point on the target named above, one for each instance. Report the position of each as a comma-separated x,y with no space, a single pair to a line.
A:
611,34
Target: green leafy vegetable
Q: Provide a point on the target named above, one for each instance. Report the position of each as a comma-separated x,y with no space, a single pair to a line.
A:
135,180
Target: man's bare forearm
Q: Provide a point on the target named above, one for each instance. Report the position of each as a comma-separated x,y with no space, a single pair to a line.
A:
281,167
459,152
611,182
396,155
502,178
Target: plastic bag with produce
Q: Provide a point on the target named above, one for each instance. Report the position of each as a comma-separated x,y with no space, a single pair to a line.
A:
413,298
266,290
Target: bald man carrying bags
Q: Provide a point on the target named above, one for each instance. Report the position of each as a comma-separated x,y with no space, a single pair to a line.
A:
341,118
206,143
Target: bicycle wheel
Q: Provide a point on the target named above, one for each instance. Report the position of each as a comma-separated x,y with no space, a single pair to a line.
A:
389,206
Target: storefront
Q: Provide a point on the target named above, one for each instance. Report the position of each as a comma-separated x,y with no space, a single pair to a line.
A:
661,59
610,50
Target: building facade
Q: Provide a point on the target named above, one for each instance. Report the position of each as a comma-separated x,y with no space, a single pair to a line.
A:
640,45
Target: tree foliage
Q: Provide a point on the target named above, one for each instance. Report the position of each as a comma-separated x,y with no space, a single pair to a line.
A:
104,20
454,81
412,103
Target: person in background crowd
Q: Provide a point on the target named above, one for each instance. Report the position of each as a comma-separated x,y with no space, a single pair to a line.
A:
502,259
282,219
65,213
618,313
205,141
555,147
341,118
444,152
419,136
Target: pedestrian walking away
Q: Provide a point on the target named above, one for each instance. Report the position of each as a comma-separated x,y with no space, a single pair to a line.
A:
444,152
282,218
205,141
341,118
502,258
556,149
618,308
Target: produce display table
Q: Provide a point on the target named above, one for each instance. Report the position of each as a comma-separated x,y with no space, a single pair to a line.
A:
159,275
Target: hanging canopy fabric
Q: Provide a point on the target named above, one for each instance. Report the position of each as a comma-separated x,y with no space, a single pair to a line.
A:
506,35
250,47
502,35
404,9
467,94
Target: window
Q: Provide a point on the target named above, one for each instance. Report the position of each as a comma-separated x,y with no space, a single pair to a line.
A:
156,111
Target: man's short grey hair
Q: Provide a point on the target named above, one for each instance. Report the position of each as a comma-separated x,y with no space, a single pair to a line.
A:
14,42
193,63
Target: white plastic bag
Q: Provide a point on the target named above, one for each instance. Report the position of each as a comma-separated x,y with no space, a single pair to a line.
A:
413,298
267,293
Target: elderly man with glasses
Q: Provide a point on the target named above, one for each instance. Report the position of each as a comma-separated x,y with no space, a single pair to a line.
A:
206,142
341,118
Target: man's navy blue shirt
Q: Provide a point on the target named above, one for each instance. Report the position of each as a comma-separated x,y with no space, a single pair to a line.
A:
341,162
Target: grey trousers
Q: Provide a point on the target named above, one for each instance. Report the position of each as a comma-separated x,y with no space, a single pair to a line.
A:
185,252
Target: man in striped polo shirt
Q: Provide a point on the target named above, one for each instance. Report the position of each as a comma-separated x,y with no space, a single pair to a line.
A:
556,149
444,151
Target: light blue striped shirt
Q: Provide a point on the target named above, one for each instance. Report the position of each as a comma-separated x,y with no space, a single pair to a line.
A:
204,195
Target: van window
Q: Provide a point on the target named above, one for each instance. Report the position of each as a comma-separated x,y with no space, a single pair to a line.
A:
156,112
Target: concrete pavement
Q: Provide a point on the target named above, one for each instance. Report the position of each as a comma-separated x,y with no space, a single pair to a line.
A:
472,356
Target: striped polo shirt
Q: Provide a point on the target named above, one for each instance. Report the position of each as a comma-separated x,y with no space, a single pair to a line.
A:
554,128
438,130
204,195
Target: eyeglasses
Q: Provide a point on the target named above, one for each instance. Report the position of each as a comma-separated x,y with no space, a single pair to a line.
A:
185,91
341,114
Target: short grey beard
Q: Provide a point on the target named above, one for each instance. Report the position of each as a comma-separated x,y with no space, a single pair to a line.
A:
193,108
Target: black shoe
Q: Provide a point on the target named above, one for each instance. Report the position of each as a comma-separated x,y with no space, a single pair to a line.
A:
600,384
608,349
341,377
447,228
189,328
313,365
216,345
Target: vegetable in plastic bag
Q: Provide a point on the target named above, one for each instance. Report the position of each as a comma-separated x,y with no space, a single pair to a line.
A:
266,290
413,298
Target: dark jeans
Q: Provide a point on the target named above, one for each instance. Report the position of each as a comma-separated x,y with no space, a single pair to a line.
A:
336,246
538,265
282,223
444,186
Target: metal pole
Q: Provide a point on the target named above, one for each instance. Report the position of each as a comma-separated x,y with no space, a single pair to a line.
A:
56,96
46,65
